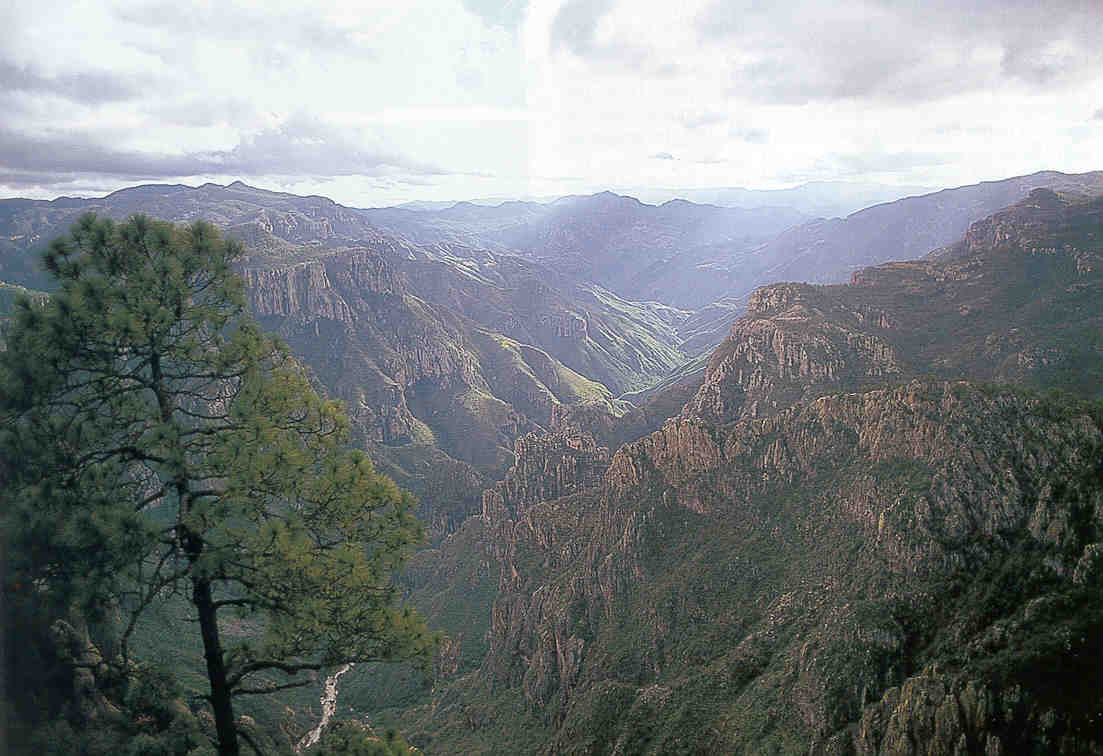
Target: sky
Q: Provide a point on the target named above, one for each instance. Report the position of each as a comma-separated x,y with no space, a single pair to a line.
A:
375,103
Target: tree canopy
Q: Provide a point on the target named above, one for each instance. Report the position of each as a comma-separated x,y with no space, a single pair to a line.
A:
158,443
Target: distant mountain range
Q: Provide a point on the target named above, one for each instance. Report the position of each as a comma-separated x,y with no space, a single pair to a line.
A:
659,253
828,199
451,332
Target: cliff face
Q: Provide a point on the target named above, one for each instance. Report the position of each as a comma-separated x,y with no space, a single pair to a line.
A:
409,373
1013,301
806,560
826,575
622,344
549,466
552,468
438,398
350,315
456,584
795,342
300,292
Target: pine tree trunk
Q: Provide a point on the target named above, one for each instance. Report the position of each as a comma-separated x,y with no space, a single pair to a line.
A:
216,668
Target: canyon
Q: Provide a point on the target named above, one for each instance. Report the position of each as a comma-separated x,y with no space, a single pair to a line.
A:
863,518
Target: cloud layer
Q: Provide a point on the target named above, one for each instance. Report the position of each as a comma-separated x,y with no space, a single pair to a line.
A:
299,148
375,101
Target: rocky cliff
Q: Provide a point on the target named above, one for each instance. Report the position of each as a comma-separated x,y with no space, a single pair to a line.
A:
549,466
438,397
835,575
803,561
1013,301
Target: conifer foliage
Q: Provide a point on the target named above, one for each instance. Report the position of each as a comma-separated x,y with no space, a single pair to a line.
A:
157,442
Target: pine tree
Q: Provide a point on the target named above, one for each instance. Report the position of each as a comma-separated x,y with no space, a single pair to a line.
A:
157,442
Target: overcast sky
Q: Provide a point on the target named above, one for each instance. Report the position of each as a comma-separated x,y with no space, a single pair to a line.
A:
372,103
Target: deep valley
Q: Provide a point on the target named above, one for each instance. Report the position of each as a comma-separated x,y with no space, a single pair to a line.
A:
700,479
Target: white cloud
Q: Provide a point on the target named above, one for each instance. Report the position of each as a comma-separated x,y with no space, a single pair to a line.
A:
459,98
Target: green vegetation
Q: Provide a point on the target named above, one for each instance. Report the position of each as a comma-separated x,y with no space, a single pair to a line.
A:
157,447
9,295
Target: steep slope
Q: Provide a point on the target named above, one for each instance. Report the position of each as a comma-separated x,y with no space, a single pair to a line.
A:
829,251
787,568
843,575
697,256
444,355
1018,299
620,343
436,397
872,236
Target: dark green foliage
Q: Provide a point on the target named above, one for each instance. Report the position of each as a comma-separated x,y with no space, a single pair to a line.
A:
159,445
146,714
346,738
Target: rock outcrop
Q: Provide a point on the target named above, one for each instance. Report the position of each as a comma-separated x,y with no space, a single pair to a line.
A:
812,545
549,466
1010,302
808,560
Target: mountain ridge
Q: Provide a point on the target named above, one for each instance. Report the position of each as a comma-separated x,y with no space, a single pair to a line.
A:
774,575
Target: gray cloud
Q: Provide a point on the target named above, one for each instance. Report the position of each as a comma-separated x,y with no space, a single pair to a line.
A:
299,147
574,28
204,111
305,147
1098,115
901,52
88,87
662,156
1037,65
